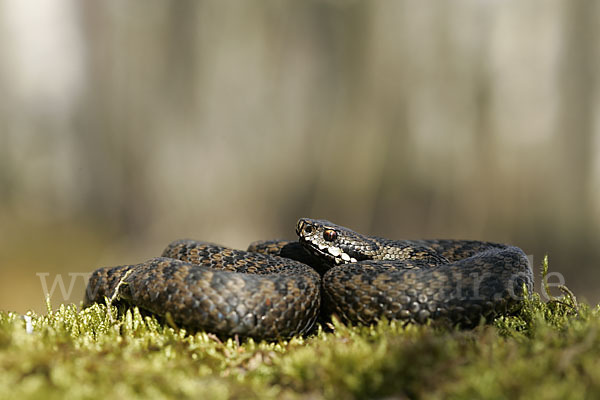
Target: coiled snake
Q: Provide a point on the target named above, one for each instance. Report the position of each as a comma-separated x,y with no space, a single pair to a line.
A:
273,290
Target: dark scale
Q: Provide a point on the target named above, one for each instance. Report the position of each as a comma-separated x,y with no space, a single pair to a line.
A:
274,289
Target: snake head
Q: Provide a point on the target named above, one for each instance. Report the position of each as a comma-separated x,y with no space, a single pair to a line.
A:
333,243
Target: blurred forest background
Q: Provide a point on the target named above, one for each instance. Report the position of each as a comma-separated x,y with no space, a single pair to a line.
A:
125,125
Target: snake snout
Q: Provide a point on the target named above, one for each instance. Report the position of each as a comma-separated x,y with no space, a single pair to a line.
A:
299,226
304,227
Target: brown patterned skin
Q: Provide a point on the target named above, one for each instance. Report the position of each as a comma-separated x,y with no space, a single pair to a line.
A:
270,292
208,287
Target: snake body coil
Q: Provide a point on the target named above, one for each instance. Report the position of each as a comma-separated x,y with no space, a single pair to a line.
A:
270,291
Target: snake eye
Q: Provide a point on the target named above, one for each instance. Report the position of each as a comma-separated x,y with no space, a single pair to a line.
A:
308,229
330,235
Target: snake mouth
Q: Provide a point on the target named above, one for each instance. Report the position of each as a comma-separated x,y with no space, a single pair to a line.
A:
332,254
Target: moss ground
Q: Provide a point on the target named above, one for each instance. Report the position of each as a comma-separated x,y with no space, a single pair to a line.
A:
550,350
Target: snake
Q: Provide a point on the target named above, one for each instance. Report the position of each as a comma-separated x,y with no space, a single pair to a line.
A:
277,289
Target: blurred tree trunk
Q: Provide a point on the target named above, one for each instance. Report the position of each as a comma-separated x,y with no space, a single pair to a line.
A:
114,135
577,92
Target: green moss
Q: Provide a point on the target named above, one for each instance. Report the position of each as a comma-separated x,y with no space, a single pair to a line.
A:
549,350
